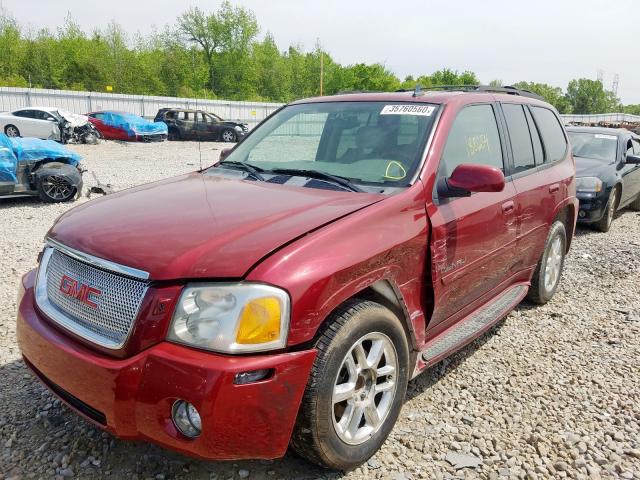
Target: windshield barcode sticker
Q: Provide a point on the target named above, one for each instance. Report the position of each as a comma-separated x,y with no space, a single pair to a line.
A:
422,110
606,137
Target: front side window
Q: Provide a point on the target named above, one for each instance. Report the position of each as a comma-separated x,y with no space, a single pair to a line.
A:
597,146
473,138
636,147
366,142
520,136
24,113
553,137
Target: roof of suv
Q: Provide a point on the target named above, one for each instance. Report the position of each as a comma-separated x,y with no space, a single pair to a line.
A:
431,96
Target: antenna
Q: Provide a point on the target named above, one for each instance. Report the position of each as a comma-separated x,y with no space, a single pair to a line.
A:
198,130
616,82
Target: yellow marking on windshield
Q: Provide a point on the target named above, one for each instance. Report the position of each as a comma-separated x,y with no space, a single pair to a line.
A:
398,174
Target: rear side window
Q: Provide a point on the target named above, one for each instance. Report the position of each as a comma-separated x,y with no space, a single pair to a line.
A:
473,138
636,147
521,143
555,143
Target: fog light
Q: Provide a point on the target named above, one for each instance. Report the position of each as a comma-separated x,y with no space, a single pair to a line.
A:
186,419
582,213
243,378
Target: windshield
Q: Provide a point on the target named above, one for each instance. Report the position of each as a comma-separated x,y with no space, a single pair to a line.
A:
364,142
594,145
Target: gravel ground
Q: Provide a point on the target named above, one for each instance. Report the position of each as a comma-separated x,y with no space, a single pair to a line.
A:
551,392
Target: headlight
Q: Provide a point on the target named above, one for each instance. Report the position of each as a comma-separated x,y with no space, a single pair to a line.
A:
238,128
588,184
231,318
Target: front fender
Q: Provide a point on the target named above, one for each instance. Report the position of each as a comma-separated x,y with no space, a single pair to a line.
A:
385,241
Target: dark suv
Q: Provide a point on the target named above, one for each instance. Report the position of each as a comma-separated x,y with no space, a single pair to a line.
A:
346,245
608,172
187,124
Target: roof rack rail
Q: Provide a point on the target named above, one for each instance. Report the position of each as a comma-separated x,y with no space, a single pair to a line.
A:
508,90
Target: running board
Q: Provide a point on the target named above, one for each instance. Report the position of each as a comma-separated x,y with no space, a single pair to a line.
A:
470,327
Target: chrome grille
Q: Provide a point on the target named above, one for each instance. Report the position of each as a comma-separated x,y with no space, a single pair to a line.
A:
116,309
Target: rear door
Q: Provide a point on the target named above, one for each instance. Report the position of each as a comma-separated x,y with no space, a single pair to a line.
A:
472,237
541,186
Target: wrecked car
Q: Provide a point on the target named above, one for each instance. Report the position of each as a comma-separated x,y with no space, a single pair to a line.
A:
38,122
186,124
43,168
127,126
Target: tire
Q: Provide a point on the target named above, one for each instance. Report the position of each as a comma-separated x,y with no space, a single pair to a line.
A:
546,276
366,394
610,210
55,182
11,131
228,136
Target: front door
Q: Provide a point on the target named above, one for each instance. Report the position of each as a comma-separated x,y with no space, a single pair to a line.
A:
472,237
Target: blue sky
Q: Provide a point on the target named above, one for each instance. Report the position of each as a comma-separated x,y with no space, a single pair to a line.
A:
550,41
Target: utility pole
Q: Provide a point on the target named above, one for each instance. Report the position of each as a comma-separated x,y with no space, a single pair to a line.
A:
321,71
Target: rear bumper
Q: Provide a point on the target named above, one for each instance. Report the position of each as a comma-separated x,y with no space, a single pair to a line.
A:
132,397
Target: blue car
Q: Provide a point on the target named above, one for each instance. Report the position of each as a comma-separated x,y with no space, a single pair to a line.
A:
43,168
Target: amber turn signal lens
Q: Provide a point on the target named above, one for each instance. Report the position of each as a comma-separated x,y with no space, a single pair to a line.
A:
259,321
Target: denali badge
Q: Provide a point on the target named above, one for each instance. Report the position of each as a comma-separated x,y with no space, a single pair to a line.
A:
79,291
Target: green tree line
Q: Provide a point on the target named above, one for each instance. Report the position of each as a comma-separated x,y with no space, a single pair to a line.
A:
219,54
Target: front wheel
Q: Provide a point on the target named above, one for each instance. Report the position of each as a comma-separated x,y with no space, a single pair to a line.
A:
229,136
57,182
605,222
356,388
549,269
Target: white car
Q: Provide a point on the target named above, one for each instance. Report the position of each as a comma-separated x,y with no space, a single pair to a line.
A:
35,122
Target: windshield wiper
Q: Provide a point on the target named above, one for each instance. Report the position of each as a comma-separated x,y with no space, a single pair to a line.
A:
253,171
342,181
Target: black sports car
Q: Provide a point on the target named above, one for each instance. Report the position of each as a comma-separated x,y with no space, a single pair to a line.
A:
187,124
607,172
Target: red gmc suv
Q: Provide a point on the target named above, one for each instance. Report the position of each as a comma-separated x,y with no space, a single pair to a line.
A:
286,295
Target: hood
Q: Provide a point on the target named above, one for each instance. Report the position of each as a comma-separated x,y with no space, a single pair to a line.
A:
589,167
200,226
74,119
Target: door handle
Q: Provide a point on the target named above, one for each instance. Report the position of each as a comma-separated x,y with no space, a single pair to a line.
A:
554,188
508,207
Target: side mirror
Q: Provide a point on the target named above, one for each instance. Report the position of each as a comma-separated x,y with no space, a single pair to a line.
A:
632,160
467,178
224,153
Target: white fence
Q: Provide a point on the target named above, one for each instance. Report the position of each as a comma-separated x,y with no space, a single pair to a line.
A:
602,118
145,106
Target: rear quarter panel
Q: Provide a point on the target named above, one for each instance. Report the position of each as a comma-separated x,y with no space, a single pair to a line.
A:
385,241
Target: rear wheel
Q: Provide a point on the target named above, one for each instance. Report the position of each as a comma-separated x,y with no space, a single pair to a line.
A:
610,210
11,131
229,136
356,388
546,277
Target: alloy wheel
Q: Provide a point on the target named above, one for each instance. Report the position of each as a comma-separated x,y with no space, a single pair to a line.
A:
553,265
365,388
12,131
56,188
228,136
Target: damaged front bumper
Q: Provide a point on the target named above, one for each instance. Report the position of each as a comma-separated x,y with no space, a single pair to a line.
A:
133,397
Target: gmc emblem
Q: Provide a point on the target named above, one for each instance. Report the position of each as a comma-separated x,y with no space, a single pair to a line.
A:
80,291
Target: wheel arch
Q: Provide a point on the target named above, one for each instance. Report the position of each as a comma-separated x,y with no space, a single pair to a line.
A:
385,292
567,215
